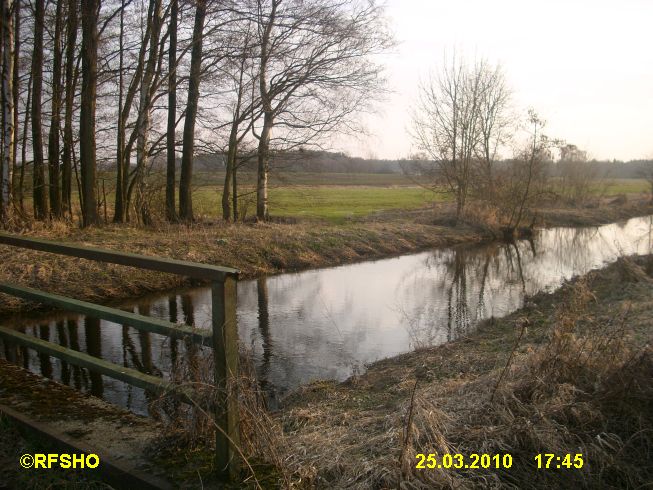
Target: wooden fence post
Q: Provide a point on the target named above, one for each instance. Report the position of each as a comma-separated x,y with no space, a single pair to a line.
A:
225,357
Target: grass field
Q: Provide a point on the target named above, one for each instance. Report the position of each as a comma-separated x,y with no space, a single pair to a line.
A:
624,186
333,203
334,197
325,196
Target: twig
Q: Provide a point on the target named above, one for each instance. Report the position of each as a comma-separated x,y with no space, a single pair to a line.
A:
524,323
409,424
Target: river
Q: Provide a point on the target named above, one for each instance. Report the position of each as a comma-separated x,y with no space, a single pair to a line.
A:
329,323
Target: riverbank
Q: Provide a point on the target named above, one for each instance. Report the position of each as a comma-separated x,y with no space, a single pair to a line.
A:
254,249
569,374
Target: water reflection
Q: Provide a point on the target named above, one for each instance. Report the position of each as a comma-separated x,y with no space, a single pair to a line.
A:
329,323
93,333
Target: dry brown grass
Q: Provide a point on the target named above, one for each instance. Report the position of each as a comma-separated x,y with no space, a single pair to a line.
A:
579,383
186,444
254,249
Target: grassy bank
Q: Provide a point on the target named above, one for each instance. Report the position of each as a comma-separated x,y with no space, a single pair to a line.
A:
571,373
255,249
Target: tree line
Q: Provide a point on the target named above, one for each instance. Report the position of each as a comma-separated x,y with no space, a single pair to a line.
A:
95,85
498,165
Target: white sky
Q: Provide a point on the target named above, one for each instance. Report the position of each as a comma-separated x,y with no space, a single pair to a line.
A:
586,66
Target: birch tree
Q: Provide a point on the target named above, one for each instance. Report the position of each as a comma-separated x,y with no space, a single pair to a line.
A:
316,72
16,92
143,122
8,141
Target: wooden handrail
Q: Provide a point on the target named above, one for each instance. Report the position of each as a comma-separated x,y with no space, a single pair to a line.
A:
172,266
141,322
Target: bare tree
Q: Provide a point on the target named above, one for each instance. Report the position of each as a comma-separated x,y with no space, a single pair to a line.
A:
577,176
55,119
8,116
495,125
39,187
143,122
90,11
72,23
522,180
16,93
125,102
454,123
316,71
185,196
245,108
171,212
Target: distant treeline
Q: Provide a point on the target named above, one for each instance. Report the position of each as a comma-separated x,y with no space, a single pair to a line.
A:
337,162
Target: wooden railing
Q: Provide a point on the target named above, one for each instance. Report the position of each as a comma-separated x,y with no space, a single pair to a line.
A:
223,338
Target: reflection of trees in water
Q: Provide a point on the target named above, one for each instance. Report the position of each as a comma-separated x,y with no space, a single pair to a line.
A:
93,336
569,249
458,309
191,348
303,325
145,340
44,359
459,285
262,295
172,318
130,354
305,316
63,341
480,306
73,337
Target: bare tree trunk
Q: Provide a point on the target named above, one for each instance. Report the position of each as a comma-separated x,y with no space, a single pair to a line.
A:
263,168
119,204
55,121
123,153
145,109
90,12
40,194
531,164
23,146
8,149
16,91
185,197
229,167
234,185
171,211
70,83
232,152
268,121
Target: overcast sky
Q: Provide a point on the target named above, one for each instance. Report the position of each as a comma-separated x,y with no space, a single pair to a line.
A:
586,66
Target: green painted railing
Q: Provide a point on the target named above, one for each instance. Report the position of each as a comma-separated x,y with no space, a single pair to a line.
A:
223,337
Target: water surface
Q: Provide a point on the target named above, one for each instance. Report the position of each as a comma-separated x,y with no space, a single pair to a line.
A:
329,323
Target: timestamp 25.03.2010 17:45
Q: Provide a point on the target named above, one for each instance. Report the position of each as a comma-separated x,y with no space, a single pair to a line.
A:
498,461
